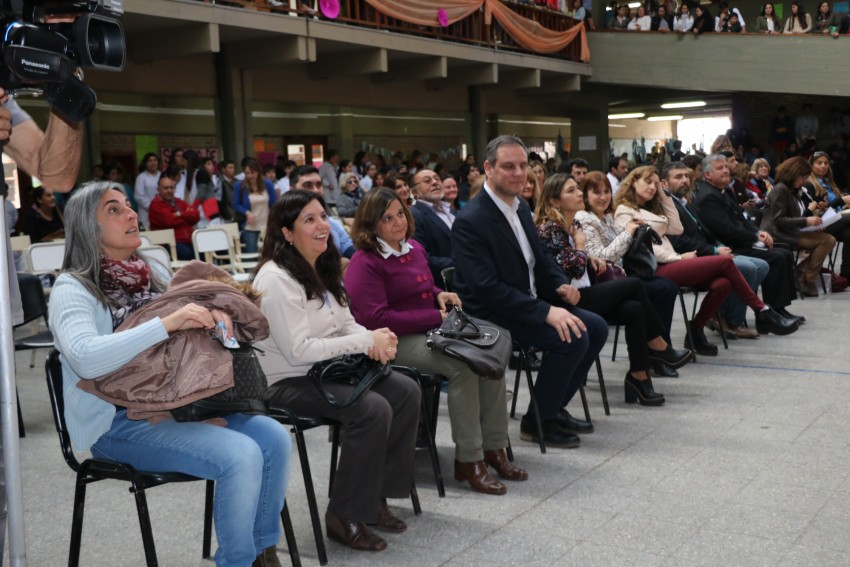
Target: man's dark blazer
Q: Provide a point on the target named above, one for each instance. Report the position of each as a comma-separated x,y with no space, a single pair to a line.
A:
433,233
491,275
692,237
722,218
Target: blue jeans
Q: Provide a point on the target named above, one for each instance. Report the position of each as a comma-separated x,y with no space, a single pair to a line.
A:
248,460
251,240
754,270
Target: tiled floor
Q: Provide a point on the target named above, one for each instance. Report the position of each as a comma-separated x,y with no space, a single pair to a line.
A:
747,464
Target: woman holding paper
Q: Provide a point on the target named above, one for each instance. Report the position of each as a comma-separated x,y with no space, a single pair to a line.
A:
789,221
821,192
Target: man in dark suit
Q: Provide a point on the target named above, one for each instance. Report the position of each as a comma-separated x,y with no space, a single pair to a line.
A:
504,274
432,220
724,221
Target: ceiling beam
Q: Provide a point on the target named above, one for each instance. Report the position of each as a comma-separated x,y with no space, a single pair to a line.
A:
467,75
420,69
360,62
173,42
272,52
553,86
520,78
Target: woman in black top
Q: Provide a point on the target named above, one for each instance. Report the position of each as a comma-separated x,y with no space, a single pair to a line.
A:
43,221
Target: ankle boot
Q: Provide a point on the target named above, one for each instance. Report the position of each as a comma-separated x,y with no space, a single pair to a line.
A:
696,337
642,391
268,558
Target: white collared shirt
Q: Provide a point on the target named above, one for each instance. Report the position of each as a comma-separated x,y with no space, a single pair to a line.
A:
386,250
510,212
444,211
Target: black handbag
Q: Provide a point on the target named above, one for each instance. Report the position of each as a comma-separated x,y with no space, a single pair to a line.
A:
246,395
356,370
639,260
484,347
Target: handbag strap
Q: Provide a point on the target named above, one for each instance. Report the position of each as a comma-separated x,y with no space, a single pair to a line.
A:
461,333
373,375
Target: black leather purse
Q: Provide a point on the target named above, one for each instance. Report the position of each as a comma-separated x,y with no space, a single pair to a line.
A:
639,260
356,370
246,395
485,347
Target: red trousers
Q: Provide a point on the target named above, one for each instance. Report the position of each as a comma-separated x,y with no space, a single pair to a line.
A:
718,275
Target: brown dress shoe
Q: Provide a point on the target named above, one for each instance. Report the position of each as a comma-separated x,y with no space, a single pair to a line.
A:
744,332
268,558
387,522
498,459
353,534
478,477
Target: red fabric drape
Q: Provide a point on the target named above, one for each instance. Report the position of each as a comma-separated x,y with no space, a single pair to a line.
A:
527,33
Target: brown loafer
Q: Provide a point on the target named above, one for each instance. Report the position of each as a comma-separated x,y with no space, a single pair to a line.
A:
478,477
498,459
387,522
353,534
268,558
744,332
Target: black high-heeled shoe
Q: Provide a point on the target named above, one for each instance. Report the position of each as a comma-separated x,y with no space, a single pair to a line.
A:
642,391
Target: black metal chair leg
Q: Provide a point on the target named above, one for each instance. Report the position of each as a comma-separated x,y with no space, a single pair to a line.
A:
22,432
289,533
334,457
509,451
537,422
616,339
602,389
414,498
688,336
584,405
77,522
432,448
516,387
145,525
311,496
208,519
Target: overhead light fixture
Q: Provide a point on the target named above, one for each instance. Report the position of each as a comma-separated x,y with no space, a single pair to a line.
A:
616,125
626,115
662,118
634,4
687,104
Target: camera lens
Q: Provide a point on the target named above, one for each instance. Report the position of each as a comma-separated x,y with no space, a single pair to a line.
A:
100,42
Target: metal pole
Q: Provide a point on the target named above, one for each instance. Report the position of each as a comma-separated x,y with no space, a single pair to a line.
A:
13,487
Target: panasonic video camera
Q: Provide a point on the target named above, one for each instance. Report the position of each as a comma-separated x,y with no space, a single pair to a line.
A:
42,55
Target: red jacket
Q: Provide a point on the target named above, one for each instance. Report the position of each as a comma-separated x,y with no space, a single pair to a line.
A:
182,219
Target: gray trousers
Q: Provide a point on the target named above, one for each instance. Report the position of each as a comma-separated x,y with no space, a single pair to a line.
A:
477,406
377,439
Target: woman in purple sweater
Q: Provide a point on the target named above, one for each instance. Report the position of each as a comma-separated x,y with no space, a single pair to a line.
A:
390,285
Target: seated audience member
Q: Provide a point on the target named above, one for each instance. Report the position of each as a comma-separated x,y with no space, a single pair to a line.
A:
724,221
703,22
798,21
531,190
400,185
466,180
115,173
621,301
641,198
767,22
390,285
253,197
101,285
607,241
450,192
760,182
620,22
784,216
642,21
368,181
826,21
307,178
167,211
504,274
145,186
43,220
682,23
300,277
433,222
618,167
350,195
677,180
539,170
282,185
820,192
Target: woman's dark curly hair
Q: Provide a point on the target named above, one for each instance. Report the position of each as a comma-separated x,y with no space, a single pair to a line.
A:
327,277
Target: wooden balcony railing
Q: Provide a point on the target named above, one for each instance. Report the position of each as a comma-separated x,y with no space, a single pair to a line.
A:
470,30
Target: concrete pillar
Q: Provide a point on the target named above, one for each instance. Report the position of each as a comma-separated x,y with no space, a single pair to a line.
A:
589,137
482,127
343,135
233,107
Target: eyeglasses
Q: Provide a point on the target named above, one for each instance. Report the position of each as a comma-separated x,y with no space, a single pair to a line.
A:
351,181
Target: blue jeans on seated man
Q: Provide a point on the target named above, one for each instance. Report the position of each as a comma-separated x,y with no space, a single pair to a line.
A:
565,364
754,270
185,251
248,459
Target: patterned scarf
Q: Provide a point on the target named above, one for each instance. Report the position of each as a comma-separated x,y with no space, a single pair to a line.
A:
127,284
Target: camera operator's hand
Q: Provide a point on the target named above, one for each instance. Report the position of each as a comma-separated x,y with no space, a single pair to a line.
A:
5,117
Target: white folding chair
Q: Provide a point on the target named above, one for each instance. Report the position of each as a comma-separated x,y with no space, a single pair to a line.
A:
156,254
165,237
145,240
215,244
21,243
45,257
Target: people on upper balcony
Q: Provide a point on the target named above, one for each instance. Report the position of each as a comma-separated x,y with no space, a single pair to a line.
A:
826,21
798,21
620,22
767,22
726,22
642,21
703,22
661,21
684,20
